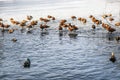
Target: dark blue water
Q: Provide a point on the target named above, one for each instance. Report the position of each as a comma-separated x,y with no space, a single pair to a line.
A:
55,57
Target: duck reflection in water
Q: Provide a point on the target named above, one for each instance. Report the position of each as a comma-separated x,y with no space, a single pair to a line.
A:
73,35
43,33
110,36
60,34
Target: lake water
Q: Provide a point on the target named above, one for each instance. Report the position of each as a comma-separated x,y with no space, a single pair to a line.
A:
55,57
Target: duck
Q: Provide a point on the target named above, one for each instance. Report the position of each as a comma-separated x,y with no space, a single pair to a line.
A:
29,17
10,30
1,19
49,16
112,58
73,17
110,29
93,27
27,63
111,19
117,24
117,38
60,28
14,39
91,16
53,18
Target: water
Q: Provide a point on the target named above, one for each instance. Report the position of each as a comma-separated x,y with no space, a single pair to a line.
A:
55,57
58,59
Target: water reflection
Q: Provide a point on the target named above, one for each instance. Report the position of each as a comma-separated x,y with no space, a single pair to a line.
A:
22,30
72,35
110,36
1,49
43,33
44,36
1,34
60,35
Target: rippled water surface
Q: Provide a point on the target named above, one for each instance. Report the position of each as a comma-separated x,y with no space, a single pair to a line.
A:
55,57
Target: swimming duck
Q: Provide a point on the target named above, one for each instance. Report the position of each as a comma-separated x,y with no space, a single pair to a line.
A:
117,38
93,26
10,30
112,58
27,63
14,39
